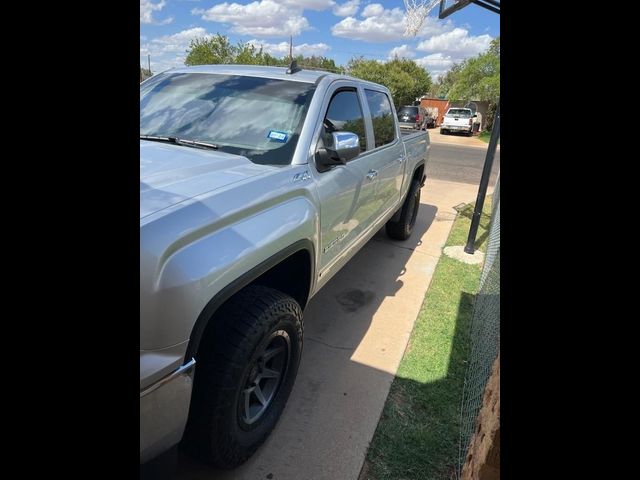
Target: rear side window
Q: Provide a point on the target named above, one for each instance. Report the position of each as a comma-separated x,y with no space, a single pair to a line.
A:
408,110
384,127
462,112
345,114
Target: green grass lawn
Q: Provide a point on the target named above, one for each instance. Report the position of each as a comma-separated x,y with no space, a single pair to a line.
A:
418,433
485,135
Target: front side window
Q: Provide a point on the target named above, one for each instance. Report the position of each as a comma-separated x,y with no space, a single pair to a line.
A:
259,118
345,114
384,127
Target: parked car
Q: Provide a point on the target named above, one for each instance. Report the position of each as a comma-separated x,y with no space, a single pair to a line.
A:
412,117
458,120
240,225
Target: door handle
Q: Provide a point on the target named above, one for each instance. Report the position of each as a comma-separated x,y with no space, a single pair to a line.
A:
372,174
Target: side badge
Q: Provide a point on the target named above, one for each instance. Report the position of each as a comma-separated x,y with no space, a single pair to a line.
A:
302,176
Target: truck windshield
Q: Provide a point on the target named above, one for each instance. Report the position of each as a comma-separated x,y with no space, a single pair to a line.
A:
259,118
461,112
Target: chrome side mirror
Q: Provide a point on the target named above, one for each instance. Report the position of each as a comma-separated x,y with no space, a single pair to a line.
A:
345,146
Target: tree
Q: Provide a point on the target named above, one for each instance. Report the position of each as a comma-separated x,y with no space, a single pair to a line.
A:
405,79
476,78
144,74
317,61
218,49
210,50
445,82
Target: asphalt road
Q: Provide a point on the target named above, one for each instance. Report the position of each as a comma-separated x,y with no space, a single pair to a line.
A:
462,164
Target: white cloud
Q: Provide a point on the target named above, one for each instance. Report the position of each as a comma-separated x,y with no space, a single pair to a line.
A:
382,25
147,7
347,9
457,41
436,64
263,18
403,51
310,4
373,10
178,42
169,51
281,49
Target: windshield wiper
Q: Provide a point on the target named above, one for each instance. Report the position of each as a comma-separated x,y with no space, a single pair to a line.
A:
180,141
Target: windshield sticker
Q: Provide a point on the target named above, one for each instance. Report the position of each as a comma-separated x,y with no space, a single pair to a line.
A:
277,135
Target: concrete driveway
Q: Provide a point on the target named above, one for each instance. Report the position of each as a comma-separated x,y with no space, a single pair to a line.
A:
460,139
356,331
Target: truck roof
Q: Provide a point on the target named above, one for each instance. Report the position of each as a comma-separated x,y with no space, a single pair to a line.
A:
303,75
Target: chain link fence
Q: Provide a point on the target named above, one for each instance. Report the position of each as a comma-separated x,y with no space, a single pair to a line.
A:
485,333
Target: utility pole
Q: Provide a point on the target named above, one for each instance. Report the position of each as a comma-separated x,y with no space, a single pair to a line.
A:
149,62
484,182
291,49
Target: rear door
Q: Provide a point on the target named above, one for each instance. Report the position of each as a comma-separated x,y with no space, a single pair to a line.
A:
386,151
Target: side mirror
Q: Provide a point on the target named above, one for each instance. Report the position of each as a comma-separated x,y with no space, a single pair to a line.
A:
344,147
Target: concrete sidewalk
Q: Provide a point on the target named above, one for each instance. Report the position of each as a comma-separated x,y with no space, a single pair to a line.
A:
356,331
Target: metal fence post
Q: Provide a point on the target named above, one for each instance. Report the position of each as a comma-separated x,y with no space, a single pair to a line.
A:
484,183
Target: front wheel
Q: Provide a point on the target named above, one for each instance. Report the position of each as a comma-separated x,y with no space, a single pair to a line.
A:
401,229
246,367
443,131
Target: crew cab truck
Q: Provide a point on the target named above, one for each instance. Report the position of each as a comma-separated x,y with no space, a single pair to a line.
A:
458,120
257,185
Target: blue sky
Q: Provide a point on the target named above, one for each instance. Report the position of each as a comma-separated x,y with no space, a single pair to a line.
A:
338,29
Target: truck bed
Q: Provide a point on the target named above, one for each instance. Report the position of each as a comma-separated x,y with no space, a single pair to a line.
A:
414,141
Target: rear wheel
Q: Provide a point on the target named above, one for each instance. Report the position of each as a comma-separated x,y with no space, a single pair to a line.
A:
401,230
246,367
443,131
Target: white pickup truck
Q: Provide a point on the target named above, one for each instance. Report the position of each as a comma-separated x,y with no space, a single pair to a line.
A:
458,120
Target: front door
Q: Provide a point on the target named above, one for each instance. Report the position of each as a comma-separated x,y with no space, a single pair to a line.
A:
345,191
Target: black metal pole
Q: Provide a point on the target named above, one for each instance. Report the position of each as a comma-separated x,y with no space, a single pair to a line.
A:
484,182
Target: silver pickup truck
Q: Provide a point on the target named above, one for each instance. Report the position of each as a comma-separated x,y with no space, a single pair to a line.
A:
257,185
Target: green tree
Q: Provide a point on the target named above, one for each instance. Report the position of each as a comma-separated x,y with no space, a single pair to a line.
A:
247,54
405,79
218,49
210,50
144,74
317,61
445,82
478,78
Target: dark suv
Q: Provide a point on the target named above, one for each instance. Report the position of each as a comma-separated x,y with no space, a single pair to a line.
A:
411,117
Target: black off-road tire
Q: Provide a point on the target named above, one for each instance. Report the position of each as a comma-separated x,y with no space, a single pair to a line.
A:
401,229
228,358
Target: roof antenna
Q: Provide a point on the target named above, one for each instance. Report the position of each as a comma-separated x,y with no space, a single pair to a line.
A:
293,65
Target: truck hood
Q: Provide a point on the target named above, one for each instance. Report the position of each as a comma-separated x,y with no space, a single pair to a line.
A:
170,174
